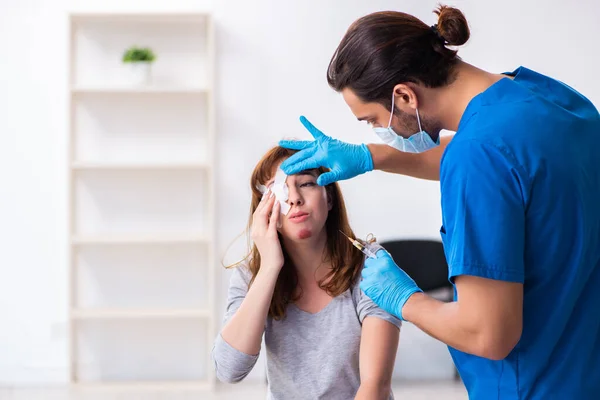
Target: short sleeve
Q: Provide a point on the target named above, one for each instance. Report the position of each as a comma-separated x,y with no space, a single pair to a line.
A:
483,211
365,307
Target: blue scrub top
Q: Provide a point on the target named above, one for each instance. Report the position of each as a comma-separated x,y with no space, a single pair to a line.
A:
520,184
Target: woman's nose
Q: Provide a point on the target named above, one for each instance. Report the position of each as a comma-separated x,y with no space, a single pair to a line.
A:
294,197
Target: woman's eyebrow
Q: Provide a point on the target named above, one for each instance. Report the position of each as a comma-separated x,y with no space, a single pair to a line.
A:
311,172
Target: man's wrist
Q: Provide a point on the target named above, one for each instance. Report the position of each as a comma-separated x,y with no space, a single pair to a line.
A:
369,165
411,305
371,148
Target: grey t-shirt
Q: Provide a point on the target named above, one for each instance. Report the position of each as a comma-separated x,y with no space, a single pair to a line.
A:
309,356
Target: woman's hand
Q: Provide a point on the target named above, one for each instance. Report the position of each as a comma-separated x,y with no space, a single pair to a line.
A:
245,329
264,232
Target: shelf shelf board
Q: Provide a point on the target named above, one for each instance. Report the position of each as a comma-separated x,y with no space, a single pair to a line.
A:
146,313
104,166
140,238
162,17
115,90
154,385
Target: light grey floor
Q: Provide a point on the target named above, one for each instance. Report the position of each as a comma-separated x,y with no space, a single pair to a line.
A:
402,390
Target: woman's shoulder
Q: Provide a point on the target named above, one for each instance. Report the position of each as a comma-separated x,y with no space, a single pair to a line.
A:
374,246
241,273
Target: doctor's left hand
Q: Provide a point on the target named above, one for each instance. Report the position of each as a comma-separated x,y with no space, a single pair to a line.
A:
344,160
387,284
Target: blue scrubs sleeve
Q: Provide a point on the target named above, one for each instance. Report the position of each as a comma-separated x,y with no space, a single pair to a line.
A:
483,207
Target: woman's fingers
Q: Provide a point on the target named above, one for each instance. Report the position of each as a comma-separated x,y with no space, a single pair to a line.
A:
263,201
263,212
275,215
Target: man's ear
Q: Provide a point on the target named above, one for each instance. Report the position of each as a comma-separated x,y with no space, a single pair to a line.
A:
405,98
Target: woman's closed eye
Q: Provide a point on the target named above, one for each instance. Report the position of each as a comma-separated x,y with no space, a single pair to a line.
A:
307,184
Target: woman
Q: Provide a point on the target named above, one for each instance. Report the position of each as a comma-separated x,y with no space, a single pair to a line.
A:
299,286
520,187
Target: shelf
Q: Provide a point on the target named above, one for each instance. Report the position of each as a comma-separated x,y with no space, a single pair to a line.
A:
141,202
95,314
92,166
138,90
200,385
140,238
163,17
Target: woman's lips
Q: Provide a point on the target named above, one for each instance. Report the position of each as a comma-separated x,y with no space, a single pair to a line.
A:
298,217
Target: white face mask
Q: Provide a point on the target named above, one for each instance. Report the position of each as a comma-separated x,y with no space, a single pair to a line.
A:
417,143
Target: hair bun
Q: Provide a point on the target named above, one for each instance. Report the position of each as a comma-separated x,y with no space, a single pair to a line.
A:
452,25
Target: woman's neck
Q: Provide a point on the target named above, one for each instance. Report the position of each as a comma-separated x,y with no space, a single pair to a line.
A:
309,258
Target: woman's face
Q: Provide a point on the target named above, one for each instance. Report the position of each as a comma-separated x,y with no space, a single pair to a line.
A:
309,207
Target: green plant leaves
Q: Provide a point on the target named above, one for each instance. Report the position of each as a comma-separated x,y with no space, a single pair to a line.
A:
138,54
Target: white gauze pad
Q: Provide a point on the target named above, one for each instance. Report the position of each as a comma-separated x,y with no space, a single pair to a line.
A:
280,190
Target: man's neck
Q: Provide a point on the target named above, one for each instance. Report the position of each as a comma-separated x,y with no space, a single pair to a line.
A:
452,100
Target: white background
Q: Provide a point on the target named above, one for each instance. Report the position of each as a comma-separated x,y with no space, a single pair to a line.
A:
271,63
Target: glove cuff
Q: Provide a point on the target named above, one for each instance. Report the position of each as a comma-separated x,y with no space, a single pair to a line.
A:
405,299
368,159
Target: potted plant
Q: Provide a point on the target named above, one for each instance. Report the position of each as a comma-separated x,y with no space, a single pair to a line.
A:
140,61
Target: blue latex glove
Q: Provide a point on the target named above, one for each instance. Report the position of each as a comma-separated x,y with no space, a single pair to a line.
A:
345,160
387,284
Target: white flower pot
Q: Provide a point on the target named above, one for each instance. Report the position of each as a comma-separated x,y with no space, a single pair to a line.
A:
140,73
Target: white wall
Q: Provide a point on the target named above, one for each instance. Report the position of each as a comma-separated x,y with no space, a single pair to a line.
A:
272,57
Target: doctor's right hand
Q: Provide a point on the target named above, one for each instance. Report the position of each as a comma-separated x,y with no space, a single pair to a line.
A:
387,284
345,160
263,232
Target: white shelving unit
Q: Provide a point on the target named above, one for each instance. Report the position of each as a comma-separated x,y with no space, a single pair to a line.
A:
137,166
139,313
141,90
141,191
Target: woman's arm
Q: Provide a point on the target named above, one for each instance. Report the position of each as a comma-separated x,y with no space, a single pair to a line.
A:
423,166
378,344
237,347
245,329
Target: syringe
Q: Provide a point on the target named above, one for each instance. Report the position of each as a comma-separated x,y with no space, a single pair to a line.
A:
365,250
